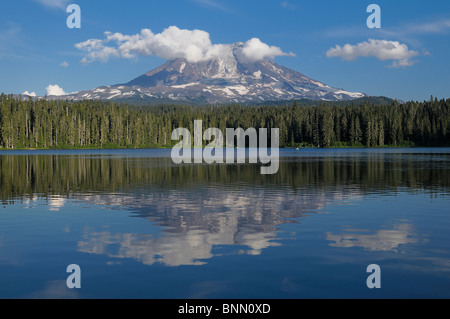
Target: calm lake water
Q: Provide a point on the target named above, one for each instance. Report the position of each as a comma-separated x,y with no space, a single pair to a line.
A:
140,226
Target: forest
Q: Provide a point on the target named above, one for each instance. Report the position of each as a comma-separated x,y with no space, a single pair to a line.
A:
62,124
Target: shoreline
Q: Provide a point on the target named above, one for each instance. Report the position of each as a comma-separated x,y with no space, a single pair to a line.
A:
165,148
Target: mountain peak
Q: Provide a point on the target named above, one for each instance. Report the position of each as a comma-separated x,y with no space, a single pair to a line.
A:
226,78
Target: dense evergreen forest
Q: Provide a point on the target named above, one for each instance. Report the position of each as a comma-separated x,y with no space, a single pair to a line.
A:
99,124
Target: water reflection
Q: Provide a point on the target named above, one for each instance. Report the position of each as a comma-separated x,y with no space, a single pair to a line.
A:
190,248
56,202
23,176
202,207
55,289
382,240
195,222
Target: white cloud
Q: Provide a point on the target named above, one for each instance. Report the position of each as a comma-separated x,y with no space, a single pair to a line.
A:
255,50
32,94
59,4
64,64
193,45
97,50
381,49
55,90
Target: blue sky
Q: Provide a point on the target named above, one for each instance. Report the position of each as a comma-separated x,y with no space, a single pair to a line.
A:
408,58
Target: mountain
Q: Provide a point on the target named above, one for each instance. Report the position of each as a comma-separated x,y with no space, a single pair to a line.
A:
228,79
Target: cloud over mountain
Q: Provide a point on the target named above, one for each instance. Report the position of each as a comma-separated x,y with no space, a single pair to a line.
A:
193,45
254,50
32,94
55,90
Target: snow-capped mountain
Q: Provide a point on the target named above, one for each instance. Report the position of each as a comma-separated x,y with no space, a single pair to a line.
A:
225,79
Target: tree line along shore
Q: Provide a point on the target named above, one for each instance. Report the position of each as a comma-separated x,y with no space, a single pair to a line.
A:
62,124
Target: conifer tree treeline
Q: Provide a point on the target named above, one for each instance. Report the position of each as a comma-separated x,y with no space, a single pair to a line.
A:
67,124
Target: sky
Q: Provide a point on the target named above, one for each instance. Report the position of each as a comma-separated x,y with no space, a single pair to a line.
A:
329,41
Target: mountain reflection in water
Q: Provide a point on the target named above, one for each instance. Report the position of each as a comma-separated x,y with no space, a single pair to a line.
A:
200,207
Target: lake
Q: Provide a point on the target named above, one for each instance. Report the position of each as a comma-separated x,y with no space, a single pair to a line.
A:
140,226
